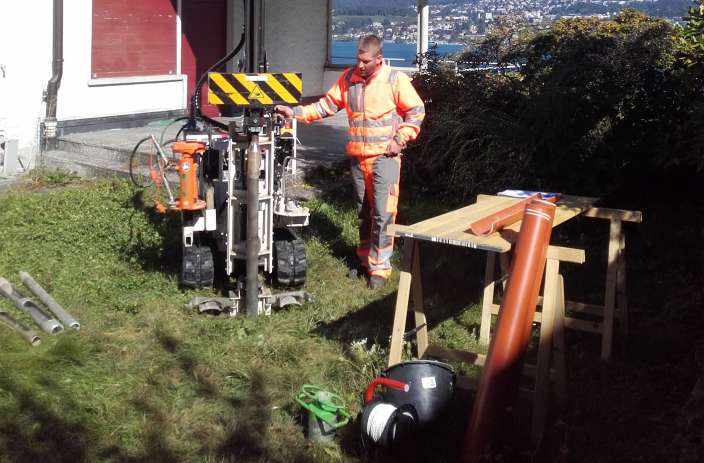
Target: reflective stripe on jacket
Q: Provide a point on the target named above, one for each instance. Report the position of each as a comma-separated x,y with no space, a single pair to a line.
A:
378,108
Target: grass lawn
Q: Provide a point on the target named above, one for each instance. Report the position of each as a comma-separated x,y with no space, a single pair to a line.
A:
148,380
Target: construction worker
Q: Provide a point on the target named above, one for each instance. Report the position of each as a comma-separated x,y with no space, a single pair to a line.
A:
384,113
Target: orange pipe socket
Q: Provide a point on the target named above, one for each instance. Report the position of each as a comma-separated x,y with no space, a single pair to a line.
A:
502,371
188,199
505,217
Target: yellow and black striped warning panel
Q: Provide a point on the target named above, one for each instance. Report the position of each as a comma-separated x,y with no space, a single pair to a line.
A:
254,89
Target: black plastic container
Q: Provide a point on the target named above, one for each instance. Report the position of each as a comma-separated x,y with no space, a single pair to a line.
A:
431,385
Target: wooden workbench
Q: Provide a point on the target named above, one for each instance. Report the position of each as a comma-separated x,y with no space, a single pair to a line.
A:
452,229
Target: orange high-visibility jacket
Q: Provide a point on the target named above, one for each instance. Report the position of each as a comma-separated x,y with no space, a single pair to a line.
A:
381,108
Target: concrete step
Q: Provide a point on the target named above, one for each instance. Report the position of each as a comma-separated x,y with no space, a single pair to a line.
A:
97,151
85,165
6,182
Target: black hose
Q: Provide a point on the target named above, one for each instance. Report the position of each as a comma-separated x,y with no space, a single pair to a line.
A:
195,98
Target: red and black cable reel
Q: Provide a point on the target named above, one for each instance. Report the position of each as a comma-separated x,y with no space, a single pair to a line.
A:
417,393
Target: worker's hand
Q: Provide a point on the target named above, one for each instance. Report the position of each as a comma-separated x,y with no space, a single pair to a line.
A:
284,111
394,149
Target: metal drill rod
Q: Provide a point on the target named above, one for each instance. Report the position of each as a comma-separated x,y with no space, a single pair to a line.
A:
49,301
252,278
28,335
46,323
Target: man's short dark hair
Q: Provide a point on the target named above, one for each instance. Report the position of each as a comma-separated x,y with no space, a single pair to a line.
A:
371,43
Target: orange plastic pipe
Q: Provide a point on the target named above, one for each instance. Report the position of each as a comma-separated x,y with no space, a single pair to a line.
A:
503,218
502,371
188,172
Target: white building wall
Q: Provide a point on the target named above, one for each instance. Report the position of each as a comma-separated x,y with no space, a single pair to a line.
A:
296,38
81,96
25,69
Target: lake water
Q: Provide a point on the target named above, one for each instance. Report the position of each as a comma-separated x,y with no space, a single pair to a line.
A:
346,52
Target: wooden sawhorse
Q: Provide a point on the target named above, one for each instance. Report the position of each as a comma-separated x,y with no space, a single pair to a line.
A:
551,348
451,228
615,298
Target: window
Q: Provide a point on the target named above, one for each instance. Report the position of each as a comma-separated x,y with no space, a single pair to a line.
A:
133,38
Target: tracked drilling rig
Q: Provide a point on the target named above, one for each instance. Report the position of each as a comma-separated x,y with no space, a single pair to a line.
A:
238,220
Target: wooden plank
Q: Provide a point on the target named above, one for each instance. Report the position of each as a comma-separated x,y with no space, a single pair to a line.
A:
614,214
542,376
472,212
581,307
417,296
401,310
559,348
621,297
505,265
473,358
565,200
450,216
488,299
461,222
503,239
450,228
571,323
583,325
456,355
572,255
610,297
461,240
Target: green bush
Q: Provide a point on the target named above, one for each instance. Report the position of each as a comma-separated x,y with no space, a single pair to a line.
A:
594,105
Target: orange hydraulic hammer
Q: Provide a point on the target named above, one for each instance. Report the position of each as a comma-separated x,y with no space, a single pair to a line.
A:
504,362
188,199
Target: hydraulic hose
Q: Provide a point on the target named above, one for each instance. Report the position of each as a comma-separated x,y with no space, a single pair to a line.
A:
195,98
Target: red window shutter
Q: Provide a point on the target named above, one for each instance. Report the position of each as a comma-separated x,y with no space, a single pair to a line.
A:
133,38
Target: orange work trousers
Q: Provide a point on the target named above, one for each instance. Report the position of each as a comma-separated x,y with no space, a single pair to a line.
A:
376,185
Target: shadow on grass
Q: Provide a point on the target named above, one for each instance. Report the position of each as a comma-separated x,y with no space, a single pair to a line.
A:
46,422
451,281
36,432
163,256
334,186
247,433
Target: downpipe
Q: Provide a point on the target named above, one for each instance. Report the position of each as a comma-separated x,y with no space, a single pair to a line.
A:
253,243
52,89
500,377
46,323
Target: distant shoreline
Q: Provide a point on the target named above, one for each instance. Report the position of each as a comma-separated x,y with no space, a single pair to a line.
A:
344,52
459,44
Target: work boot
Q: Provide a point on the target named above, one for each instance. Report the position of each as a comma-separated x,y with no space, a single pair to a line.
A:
376,282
